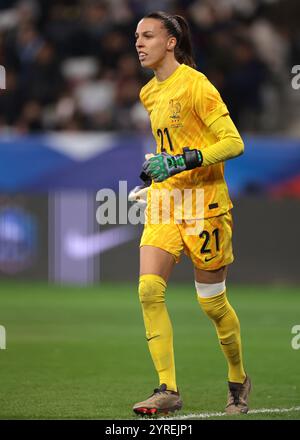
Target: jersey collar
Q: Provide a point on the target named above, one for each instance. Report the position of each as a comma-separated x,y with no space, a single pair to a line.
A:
170,78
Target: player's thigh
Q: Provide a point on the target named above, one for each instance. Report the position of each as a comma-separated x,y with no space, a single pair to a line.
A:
211,250
161,246
210,276
156,261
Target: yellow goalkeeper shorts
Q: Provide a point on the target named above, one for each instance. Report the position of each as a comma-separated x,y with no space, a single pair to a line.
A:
209,250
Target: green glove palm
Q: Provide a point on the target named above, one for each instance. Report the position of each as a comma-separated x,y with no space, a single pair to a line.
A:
162,166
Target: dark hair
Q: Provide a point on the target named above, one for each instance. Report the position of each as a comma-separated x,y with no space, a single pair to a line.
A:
177,26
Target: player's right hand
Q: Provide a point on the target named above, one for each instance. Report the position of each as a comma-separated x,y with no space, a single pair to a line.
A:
139,195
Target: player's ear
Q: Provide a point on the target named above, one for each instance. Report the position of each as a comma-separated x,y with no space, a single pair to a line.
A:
171,43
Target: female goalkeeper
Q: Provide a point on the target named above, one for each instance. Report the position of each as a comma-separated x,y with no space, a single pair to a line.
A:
194,135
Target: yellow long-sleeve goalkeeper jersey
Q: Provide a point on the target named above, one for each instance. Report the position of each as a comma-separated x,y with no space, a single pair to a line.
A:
186,110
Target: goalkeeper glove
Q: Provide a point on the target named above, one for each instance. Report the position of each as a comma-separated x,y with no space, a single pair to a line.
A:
138,195
162,166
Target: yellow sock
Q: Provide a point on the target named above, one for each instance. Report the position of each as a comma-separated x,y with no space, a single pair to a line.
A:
159,332
227,325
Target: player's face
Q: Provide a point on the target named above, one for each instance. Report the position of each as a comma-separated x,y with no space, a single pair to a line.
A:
152,42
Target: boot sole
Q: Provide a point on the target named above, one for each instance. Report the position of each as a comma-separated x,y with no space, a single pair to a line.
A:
151,412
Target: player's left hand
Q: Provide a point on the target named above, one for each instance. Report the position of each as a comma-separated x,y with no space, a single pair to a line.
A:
162,166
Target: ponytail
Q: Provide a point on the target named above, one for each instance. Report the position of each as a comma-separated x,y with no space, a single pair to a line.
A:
178,27
183,49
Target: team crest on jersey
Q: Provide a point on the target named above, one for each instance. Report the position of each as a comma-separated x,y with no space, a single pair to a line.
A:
175,109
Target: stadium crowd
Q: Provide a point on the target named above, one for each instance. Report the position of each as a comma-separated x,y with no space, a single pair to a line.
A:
72,65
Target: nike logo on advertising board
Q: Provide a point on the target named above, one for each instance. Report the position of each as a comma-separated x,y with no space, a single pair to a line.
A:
79,246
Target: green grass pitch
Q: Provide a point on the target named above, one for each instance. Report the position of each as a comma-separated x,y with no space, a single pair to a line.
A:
81,353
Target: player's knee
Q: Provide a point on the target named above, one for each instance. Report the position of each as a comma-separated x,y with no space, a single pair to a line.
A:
151,288
212,299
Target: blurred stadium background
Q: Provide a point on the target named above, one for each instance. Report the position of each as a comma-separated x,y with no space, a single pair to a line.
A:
69,120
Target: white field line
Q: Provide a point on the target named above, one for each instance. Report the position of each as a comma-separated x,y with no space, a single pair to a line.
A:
220,414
